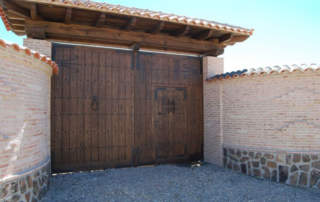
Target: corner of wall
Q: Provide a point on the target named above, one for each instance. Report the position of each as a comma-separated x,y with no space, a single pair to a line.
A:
213,105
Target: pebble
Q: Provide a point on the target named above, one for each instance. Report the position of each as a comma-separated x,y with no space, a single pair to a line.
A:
171,183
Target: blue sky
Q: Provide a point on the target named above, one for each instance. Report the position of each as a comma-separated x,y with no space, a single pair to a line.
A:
286,31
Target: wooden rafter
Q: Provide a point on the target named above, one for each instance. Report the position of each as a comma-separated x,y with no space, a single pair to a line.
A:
225,38
13,8
18,22
205,35
13,16
157,29
101,20
131,24
34,12
68,16
183,32
214,52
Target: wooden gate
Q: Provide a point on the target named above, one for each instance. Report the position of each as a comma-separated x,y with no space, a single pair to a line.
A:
113,108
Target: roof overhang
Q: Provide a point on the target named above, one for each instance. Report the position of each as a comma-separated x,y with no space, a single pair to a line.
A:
106,24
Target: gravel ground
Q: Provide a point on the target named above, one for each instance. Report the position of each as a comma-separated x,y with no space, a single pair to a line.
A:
171,183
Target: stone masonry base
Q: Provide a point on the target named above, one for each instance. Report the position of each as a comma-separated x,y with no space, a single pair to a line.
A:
29,187
298,169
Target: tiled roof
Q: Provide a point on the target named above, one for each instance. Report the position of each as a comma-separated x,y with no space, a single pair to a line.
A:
143,13
4,19
31,53
266,70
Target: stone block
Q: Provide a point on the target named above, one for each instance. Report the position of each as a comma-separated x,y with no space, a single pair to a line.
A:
306,158
266,173
296,158
294,179
314,178
244,168
274,175
268,156
304,168
303,180
293,169
256,172
244,159
283,173
316,165
272,164
255,164
314,157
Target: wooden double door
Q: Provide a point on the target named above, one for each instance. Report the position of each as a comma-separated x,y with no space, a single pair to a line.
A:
113,108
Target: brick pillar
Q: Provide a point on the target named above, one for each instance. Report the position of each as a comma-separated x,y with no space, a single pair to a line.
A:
213,139
41,46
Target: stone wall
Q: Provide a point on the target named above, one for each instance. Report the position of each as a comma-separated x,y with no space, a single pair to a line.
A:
298,169
31,186
25,80
276,114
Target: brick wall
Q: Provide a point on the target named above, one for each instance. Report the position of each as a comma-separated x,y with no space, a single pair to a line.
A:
41,46
25,80
212,111
273,114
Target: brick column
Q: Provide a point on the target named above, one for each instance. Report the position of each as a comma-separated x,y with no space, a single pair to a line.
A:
213,139
41,46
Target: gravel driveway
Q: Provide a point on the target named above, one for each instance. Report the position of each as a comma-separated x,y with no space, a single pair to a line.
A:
171,183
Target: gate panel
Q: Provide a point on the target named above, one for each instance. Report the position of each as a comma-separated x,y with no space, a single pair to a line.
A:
114,108
92,113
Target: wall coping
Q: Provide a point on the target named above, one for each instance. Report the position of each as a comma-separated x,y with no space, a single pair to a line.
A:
269,70
249,148
29,52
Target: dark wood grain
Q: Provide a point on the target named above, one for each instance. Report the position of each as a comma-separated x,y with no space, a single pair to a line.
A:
114,108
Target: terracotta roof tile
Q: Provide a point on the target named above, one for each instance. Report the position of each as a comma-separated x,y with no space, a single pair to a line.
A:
4,19
144,13
29,52
267,70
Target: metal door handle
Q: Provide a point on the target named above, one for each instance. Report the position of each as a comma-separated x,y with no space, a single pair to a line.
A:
94,103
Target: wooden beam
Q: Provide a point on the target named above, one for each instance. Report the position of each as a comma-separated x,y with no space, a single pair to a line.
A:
225,38
135,46
11,7
68,16
114,36
131,24
205,35
14,16
19,32
17,22
101,20
34,12
214,52
18,27
37,32
157,29
183,32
